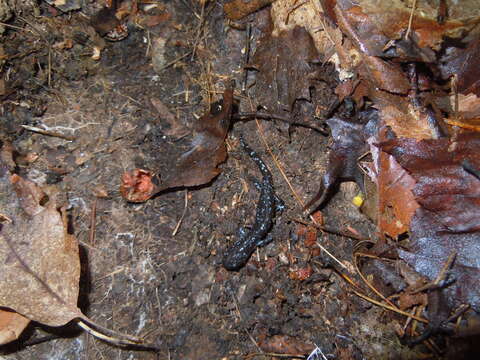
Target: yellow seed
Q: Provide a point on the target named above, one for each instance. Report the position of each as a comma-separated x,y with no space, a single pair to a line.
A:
358,200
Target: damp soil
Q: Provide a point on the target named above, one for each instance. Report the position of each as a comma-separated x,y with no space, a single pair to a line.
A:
154,269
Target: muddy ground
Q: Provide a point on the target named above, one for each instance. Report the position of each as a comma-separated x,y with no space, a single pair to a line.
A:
138,276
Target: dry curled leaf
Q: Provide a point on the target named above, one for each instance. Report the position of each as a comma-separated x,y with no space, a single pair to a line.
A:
197,166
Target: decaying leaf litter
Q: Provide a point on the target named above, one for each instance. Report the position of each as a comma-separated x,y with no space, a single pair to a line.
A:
109,91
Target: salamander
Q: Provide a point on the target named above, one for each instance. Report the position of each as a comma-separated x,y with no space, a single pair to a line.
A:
268,204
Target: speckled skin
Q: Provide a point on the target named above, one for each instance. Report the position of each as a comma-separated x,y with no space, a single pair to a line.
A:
239,253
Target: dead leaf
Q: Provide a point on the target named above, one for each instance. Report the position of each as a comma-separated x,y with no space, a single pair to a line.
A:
372,24
284,344
468,114
137,185
41,268
12,325
177,129
39,259
238,9
286,69
449,218
468,106
465,65
154,20
301,274
385,75
407,300
349,143
398,113
195,167
396,203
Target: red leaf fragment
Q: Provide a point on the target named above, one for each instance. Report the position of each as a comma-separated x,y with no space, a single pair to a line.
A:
137,185
301,273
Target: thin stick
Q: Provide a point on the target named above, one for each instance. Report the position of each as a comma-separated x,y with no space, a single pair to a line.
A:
355,264
329,230
183,214
93,218
173,62
40,33
13,27
48,132
441,275
247,57
410,20
270,116
294,7
240,317
113,337
365,297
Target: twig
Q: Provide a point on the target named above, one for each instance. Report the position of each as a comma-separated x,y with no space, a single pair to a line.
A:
245,329
203,18
13,26
293,8
93,217
40,340
5,218
270,116
378,303
113,337
355,264
48,132
410,20
438,282
248,34
183,214
173,62
329,230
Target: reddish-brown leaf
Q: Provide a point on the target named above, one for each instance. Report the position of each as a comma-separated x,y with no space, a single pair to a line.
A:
465,64
197,166
448,220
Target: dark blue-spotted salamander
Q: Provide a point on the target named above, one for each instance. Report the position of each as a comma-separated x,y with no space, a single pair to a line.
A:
268,204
